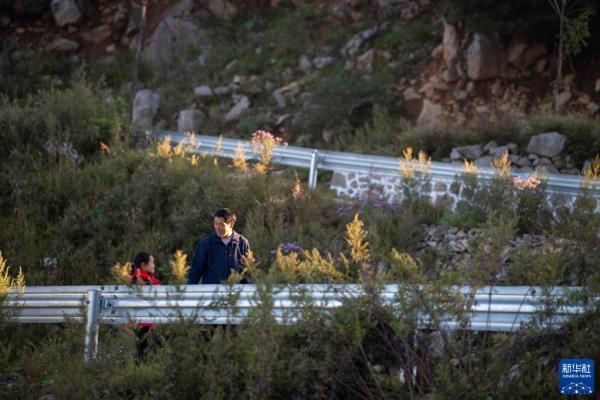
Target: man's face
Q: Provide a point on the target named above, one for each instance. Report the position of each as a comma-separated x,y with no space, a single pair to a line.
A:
223,229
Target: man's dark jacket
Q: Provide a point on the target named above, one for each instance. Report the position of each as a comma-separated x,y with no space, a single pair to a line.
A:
213,261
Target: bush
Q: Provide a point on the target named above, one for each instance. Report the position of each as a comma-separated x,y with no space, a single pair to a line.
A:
341,100
80,116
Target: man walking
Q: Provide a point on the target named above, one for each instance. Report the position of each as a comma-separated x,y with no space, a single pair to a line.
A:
220,252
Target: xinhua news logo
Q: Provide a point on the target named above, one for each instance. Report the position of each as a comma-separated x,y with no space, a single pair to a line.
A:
576,376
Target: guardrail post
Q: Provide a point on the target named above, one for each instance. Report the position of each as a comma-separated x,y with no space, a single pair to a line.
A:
312,175
91,326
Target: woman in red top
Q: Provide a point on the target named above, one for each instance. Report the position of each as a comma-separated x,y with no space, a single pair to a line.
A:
143,273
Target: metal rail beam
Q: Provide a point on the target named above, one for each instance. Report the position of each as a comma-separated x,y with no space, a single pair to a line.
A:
302,157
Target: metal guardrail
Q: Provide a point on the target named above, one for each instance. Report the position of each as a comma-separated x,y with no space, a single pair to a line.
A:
315,160
495,308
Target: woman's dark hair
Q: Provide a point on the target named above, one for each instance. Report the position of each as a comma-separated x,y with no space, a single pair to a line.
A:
140,259
226,214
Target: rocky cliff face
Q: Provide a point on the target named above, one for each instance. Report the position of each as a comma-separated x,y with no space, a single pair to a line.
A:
454,76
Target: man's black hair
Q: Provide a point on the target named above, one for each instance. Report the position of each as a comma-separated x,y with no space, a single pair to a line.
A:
140,259
226,214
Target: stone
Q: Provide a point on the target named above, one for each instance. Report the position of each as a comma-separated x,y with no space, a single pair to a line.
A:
338,180
190,120
281,120
450,46
62,45
430,113
592,108
496,88
341,11
584,99
172,40
540,66
548,144
515,51
484,57
203,91
385,55
461,95
182,9
597,87
119,20
365,61
411,94
221,8
429,90
546,169
568,81
520,161
513,148
322,62
438,52
490,146
439,84
47,397
65,12
135,19
236,112
498,151
145,105
279,99
563,98
532,54
485,161
223,90
328,135
471,88
471,153
305,64
98,34
353,46
110,48
455,155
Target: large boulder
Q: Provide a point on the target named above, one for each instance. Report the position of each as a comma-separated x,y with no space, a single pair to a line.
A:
549,144
65,12
450,47
484,57
365,61
471,153
171,41
430,113
220,8
190,120
145,105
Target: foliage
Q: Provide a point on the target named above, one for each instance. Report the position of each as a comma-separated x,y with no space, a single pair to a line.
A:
340,100
179,268
119,200
23,73
577,32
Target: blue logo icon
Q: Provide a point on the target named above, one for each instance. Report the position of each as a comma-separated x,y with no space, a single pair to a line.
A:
576,376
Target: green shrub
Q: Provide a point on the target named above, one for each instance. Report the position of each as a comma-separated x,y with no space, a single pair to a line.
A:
341,100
